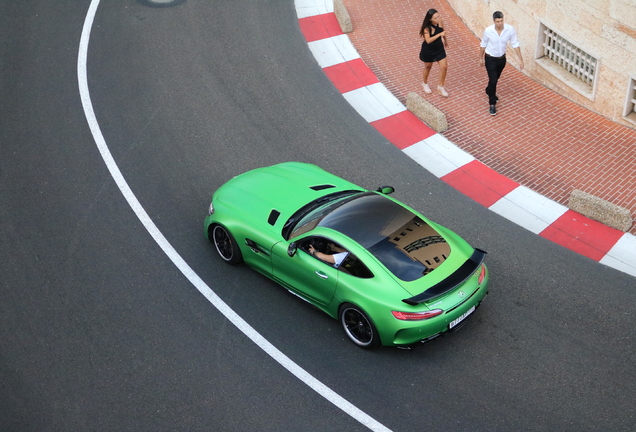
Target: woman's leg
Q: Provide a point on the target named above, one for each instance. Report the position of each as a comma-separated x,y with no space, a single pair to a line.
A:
442,77
443,65
426,72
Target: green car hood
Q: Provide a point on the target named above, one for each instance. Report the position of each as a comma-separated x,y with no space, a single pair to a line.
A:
260,190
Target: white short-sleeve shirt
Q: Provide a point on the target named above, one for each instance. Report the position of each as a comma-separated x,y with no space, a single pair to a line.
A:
339,258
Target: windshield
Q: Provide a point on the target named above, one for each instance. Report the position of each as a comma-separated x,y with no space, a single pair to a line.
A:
404,243
308,216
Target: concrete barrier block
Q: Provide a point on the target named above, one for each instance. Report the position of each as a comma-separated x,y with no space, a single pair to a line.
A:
426,112
342,16
600,210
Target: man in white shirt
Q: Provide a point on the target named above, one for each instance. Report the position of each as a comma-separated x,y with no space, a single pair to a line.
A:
493,53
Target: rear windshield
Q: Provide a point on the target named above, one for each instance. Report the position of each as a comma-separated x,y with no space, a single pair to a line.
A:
399,239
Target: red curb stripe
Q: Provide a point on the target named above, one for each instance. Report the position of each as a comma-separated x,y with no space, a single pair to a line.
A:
481,183
582,235
403,129
351,75
319,27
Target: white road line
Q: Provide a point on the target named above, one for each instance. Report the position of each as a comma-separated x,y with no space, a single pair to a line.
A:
199,284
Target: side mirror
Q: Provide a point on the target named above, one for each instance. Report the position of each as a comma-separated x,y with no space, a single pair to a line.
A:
386,190
291,250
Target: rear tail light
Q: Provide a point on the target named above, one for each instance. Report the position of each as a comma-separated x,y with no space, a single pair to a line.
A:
416,316
482,274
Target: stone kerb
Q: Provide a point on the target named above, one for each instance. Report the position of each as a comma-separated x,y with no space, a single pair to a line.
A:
600,210
342,16
426,112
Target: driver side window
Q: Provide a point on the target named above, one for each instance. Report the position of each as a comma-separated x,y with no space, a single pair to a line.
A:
335,255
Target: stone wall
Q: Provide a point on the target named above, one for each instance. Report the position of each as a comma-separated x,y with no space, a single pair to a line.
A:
605,29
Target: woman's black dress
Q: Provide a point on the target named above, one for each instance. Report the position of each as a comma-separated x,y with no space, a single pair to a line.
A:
434,51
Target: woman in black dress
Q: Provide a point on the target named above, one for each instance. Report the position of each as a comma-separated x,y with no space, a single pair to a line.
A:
434,36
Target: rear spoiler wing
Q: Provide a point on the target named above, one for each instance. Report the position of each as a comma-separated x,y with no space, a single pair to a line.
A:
460,276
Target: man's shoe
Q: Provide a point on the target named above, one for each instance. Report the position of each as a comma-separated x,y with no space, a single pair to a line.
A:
493,109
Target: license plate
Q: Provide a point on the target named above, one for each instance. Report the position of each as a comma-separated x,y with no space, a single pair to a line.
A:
461,318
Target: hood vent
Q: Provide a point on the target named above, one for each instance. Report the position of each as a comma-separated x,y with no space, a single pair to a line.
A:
321,187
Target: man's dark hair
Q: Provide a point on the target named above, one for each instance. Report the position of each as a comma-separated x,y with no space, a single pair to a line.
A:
496,15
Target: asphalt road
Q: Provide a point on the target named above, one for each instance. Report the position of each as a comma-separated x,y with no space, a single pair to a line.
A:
100,331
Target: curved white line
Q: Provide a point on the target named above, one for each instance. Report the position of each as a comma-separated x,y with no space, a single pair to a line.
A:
199,284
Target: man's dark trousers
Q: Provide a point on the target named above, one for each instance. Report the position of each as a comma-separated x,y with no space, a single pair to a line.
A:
494,67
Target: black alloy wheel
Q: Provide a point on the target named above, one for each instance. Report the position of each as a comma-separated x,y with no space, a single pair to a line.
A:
358,327
225,245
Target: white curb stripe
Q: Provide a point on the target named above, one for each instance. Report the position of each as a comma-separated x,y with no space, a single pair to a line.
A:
623,255
333,51
374,102
438,155
529,209
309,8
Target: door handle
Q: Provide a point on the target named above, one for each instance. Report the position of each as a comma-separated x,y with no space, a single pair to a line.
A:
322,275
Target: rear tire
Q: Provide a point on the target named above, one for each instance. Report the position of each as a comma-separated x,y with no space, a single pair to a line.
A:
225,245
358,327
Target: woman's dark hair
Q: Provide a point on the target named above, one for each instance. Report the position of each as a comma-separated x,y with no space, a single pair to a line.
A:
426,24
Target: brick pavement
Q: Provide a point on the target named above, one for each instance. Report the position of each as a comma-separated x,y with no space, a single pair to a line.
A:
538,138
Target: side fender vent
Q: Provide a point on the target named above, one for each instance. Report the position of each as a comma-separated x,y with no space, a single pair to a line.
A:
273,217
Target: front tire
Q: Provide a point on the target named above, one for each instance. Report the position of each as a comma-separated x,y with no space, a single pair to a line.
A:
358,327
225,245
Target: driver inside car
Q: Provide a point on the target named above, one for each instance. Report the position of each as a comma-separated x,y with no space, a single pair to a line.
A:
335,254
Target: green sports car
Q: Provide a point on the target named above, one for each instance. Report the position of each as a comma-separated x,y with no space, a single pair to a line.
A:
387,273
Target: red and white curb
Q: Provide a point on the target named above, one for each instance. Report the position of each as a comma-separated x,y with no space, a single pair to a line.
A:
360,87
